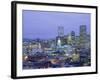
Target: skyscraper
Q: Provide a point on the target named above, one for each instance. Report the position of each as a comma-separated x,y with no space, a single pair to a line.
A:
59,38
83,30
73,37
60,31
69,39
83,35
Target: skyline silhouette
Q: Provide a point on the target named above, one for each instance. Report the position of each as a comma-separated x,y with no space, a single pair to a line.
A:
44,25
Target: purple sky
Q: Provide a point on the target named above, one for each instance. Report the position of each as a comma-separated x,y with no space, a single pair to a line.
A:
44,25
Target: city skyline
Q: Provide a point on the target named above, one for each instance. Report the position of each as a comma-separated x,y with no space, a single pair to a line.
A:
44,25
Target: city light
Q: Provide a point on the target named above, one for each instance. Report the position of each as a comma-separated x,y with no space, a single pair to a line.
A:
62,51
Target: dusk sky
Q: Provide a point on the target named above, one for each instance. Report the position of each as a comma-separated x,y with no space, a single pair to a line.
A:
44,25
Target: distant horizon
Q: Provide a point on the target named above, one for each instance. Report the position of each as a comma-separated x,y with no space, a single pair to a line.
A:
44,25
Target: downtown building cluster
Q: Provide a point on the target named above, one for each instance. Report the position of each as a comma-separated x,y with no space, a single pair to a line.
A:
64,50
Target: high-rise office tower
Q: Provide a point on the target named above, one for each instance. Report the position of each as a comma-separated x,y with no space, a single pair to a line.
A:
83,30
73,37
69,39
60,31
83,34
59,38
